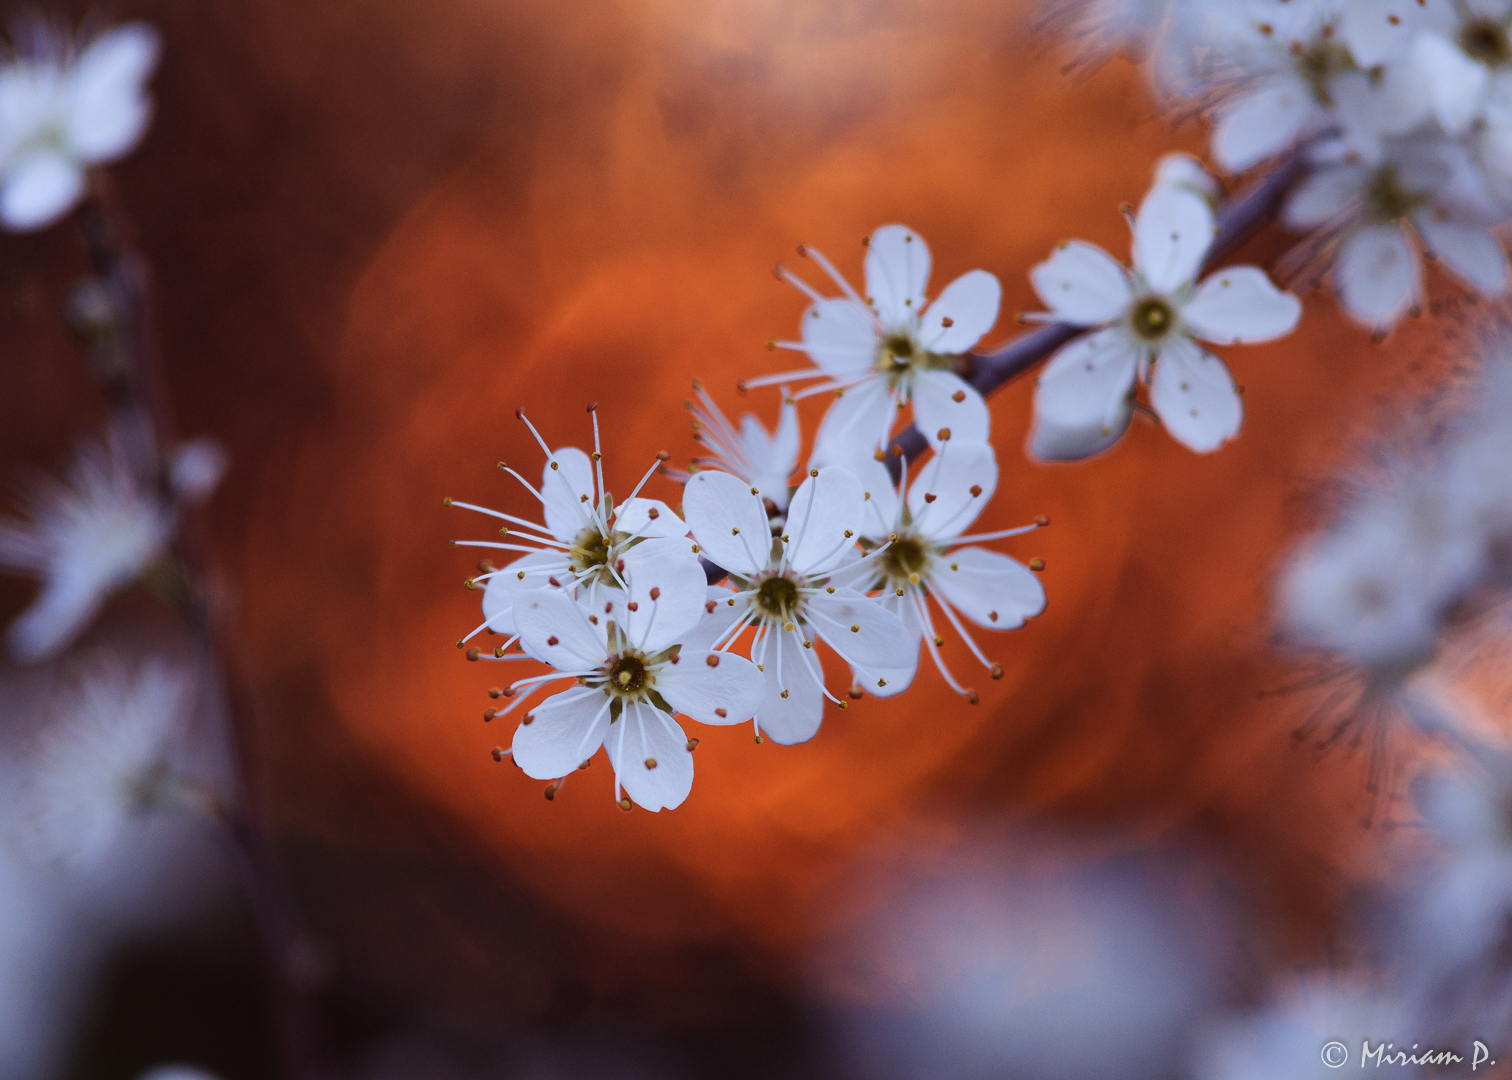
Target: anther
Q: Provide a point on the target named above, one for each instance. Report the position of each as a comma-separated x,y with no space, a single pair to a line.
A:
958,397
881,682
855,628
879,455
755,492
489,714
653,513
1042,520
503,466
555,467
829,588
632,606
625,804
997,671
485,566
897,451
528,719
663,455
938,641
948,322
696,549
898,592
913,578
692,745
496,693
650,763
469,583
813,472
976,491
930,497
498,753
734,532
788,626
499,654
520,413
596,456
854,693
720,713
592,405
712,660
710,605
759,739
619,564
446,501
740,386
943,434
473,654
849,534
971,697
1036,564
784,693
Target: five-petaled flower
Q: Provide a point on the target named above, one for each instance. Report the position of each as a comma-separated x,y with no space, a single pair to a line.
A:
1150,319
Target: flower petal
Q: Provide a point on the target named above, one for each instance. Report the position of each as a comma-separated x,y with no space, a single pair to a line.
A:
1172,233
860,419
988,587
1082,284
952,489
1454,83
561,733
1263,123
839,336
897,271
650,754
962,314
108,109
38,189
1239,305
649,517
822,523
796,717
720,617
666,599
563,488
1083,400
1471,253
897,679
62,609
1376,275
1324,195
936,408
555,630
862,630
726,692
1194,396
728,521
502,591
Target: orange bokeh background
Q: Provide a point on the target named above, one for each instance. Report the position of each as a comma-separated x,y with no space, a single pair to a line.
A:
379,228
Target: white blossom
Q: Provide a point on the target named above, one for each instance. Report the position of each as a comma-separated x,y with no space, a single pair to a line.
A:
922,552
786,588
764,461
85,537
893,347
64,109
633,671
1151,318
586,542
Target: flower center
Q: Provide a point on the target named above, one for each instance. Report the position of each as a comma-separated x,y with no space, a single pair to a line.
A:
906,560
1388,199
1486,40
628,676
778,597
1152,319
1319,62
589,549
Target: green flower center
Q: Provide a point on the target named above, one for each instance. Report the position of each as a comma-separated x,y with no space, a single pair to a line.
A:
1152,319
777,597
1388,199
627,676
906,560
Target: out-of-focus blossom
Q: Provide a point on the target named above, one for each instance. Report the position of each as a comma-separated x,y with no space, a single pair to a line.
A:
921,551
85,537
196,469
785,591
587,540
177,1072
1151,318
106,761
64,109
633,672
893,347
1417,193
764,461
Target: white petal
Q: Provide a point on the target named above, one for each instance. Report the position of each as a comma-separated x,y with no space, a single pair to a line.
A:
562,491
1324,195
556,631
1183,170
860,419
1471,253
502,591
952,489
1377,32
823,520
650,754
840,336
726,692
935,407
1172,233
896,680
63,608
962,314
795,718
878,492
728,521
654,622
648,517
897,271
1261,124
1194,396
1082,402
1082,284
862,630
108,109
1375,275
561,733
785,443
1239,305
38,189
1455,83
720,617
988,587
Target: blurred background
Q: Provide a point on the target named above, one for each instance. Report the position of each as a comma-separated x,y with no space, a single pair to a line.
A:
376,229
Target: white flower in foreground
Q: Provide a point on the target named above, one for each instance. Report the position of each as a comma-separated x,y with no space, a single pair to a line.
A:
1151,318
765,462
85,538
633,672
894,347
1463,53
586,542
921,552
1379,586
1418,194
62,111
786,592
105,761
